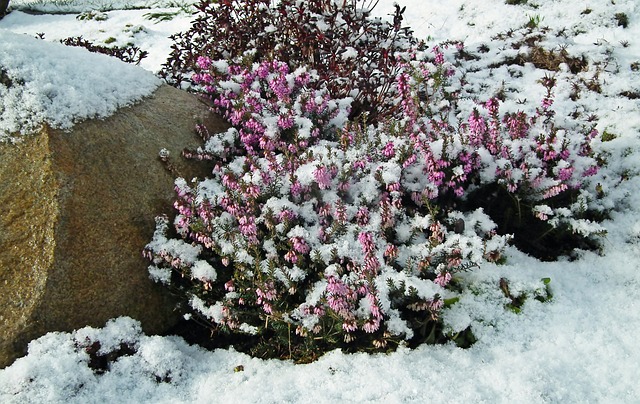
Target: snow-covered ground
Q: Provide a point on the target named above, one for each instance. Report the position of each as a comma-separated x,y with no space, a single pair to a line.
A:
49,94
579,347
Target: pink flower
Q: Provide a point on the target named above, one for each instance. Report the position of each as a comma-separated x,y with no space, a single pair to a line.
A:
344,186
517,125
285,122
296,188
336,286
443,278
247,226
389,150
291,256
492,105
300,245
323,177
439,56
366,241
362,216
203,62
410,160
374,306
263,70
593,170
340,212
359,164
391,251
542,216
287,215
349,326
371,326
324,210
395,187
371,265
555,190
386,214
565,173
436,304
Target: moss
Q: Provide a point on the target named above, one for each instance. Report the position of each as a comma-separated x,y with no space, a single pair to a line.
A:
622,19
608,136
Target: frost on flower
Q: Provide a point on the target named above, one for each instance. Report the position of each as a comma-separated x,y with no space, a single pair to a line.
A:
542,212
176,252
204,272
215,312
319,230
390,172
161,275
349,53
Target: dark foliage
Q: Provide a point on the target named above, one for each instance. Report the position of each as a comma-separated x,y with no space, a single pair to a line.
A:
128,54
4,4
5,80
354,54
99,362
535,237
622,19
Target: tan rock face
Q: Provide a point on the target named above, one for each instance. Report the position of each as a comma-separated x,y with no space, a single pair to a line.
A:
76,210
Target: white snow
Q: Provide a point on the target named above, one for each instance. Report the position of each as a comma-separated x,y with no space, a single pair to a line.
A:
579,347
204,271
60,85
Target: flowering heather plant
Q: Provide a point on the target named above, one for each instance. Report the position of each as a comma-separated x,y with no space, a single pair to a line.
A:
317,230
353,54
313,227
515,166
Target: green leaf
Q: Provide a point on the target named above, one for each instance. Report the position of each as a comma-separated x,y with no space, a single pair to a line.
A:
450,302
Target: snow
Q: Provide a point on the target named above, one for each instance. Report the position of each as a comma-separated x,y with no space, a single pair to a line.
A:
154,37
579,347
45,84
203,271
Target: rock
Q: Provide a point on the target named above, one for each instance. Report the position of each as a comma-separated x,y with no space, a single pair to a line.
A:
76,210
4,4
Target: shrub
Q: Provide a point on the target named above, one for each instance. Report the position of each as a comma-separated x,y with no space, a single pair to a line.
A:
316,231
353,54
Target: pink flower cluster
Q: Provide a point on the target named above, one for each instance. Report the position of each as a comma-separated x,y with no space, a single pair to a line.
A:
264,90
312,213
536,158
